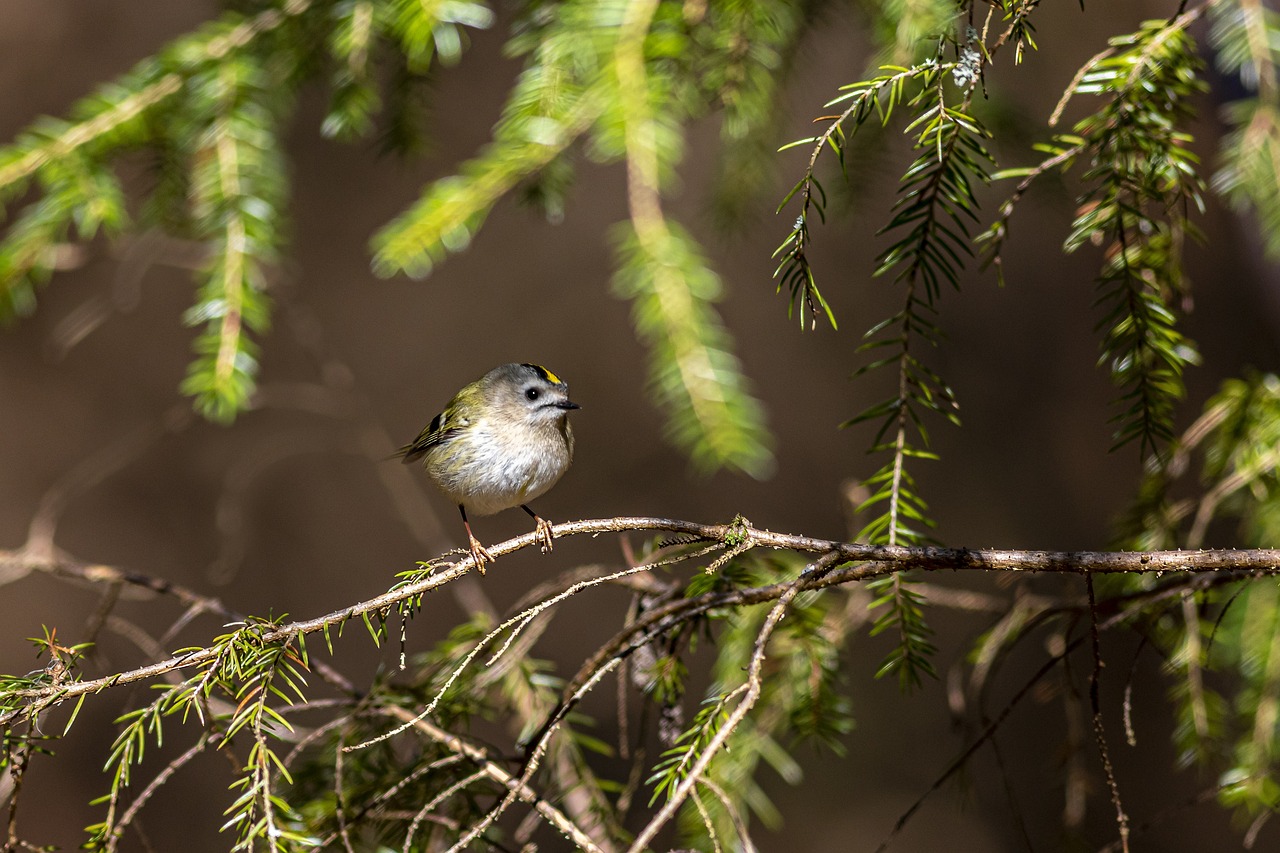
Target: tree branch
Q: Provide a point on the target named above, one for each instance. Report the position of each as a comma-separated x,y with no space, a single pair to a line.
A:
873,560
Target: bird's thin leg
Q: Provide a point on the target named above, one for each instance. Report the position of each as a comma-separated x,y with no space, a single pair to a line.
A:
543,529
478,552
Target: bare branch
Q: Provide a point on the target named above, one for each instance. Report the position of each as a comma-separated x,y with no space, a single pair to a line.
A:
518,787
739,713
1099,730
872,560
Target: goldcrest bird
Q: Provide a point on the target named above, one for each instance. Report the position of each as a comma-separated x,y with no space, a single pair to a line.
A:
502,441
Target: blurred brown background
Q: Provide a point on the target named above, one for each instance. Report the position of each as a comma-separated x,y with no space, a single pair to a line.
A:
289,511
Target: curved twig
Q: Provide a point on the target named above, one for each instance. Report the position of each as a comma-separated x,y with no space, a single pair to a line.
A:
1263,561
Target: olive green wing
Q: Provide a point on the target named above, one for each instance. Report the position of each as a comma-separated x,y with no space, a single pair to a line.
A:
437,432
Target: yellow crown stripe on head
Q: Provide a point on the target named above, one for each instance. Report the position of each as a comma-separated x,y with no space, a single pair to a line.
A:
546,374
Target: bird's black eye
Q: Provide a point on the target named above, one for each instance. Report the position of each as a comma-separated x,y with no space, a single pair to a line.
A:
531,394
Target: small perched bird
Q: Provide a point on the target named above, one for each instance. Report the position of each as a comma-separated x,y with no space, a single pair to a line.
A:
502,441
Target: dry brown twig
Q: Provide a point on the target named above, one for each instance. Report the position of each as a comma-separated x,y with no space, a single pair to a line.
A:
864,561
835,563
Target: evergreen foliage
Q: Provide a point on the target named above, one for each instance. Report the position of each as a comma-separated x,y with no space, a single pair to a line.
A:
397,764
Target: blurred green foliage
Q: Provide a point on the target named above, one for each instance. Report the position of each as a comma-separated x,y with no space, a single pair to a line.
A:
624,82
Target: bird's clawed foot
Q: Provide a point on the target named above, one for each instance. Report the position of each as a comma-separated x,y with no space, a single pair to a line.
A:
478,553
542,531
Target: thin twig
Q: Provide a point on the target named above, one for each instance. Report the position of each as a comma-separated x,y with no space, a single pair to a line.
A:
340,800
18,759
1099,731
1006,780
435,801
739,825
1131,736
962,759
754,685
519,787
1208,795
117,830
874,559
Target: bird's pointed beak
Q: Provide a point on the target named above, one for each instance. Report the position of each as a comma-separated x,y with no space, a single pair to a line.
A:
567,405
